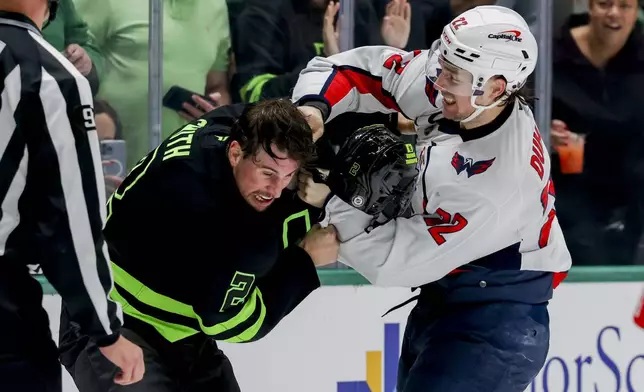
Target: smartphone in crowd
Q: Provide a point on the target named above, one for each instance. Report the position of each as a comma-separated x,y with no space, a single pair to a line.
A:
176,96
114,156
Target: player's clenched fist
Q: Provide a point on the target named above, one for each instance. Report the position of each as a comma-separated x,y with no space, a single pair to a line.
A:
314,118
322,245
311,192
128,357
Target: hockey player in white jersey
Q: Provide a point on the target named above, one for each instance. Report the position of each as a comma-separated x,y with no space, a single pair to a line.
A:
483,242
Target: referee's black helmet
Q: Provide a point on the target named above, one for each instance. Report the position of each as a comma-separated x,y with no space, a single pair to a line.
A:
53,9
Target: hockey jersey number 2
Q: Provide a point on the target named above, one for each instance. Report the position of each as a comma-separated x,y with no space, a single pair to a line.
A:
445,224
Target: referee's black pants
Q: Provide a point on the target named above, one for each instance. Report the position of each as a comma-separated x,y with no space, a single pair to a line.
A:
194,364
28,355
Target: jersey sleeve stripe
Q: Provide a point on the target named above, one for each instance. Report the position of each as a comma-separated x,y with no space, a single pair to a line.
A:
71,178
149,296
244,314
345,78
250,333
13,152
80,118
172,332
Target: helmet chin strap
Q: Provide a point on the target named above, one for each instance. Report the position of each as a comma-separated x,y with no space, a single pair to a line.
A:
478,109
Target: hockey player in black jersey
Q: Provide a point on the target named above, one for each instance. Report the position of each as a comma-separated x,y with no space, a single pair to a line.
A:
207,245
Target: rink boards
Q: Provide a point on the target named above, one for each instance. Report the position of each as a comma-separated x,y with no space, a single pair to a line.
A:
337,341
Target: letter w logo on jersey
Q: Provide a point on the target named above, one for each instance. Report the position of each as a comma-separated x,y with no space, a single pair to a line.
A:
461,163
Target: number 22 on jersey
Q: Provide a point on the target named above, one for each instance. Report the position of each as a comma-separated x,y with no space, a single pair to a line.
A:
444,223
398,62
537,162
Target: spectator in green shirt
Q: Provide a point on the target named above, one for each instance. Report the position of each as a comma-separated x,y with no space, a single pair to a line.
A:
196,43
69,34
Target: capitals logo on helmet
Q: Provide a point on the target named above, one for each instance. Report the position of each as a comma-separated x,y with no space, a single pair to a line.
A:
508,35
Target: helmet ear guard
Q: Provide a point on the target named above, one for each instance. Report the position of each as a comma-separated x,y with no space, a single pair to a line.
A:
375,172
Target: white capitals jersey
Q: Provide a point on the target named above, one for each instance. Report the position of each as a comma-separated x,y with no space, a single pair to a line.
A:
484,196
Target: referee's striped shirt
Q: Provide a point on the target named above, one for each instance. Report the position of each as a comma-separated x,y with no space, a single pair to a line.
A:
52,191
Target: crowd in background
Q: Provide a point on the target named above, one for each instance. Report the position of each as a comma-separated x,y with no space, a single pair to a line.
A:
247,50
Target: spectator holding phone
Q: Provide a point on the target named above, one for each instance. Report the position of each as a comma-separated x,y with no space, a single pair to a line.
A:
189,104
110,129
196,43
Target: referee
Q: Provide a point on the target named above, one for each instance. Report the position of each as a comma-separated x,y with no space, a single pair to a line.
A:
52,207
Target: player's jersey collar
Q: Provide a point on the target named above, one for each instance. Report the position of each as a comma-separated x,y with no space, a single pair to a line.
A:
454,128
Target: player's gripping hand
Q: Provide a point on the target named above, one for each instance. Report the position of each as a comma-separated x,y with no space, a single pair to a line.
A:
405,125
322,245
128,357
311,192
314,117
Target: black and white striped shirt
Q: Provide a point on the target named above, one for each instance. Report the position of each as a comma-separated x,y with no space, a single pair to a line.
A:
52,195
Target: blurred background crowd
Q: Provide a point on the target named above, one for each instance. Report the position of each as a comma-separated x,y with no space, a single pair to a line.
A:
246,50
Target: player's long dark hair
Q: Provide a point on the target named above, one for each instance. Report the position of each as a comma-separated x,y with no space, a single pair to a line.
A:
275,122
525,95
